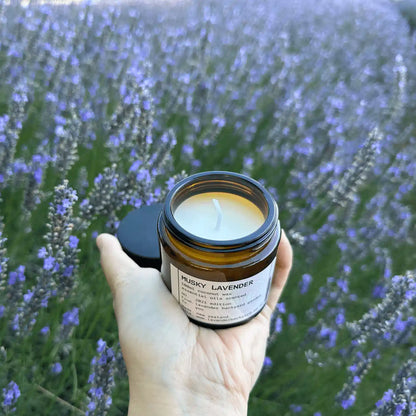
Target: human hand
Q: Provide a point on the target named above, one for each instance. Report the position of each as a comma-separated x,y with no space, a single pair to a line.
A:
176,367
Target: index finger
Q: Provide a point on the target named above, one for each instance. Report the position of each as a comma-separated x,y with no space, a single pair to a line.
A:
281,271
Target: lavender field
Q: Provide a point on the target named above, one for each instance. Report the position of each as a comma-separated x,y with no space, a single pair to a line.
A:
104,108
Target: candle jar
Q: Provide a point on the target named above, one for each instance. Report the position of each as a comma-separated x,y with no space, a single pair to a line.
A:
219,281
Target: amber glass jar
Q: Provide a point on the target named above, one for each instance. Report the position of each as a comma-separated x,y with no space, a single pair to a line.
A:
219,282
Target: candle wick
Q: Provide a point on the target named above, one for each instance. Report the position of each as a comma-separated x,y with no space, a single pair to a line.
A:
219,213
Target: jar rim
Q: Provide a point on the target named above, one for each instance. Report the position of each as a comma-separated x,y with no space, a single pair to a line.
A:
237,183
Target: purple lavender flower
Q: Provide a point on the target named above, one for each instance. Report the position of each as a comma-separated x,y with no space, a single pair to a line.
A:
267,362
59,261
399,400
304,283
10,395
10,127
296,408
329,335
281,307
27,297
278,326
42,253
17,276
70,320
48,263
3,258
291,319
73,241
360,367
135,165
71,317
101,379
45,330
382,318
346,403
56,368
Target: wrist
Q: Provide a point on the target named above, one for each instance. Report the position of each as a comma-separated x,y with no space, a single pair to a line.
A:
156,400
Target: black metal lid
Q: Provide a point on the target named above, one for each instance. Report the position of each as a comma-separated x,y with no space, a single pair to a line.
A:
138,237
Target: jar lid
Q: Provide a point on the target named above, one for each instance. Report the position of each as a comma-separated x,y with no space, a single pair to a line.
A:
137,234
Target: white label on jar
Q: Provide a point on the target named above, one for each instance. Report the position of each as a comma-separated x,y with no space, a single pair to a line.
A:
221,303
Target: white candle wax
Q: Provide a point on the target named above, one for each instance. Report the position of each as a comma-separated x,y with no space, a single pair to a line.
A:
230,218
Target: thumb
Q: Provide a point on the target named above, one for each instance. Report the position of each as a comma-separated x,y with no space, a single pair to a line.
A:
118,267
137,292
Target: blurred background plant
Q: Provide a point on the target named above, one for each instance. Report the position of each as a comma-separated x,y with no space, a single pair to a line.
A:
104,107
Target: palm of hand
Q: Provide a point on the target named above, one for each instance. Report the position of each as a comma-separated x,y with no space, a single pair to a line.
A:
156,330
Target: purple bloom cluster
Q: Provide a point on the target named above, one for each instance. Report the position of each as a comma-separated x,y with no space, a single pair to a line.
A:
332,300
10,395
101,380
267,362
14,288
383,321
56,277
346,188
56,368
357,370
3,263
401,400
10,127
276,325
381,325
304,283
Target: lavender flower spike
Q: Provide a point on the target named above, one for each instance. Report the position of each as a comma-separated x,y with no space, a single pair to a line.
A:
3,259
357,173
382,318
66,143
10,395
101,379
10,127
400,72
61,245
359,368
57,275
70,320
401,398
